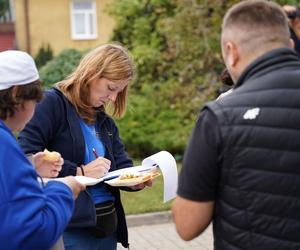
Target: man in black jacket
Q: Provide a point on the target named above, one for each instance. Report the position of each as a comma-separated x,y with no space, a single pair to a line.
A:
241,168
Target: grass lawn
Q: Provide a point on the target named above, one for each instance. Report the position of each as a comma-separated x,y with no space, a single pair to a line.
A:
147,200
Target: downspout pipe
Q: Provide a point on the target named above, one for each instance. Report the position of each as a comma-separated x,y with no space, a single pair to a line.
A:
27,28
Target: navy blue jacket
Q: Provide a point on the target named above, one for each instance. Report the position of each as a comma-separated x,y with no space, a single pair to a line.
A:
55,126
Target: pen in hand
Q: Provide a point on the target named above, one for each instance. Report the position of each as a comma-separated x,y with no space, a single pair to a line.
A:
95,153
104,162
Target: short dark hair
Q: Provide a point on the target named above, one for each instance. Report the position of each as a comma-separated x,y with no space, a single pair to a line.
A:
293,14
226,78
8,104
257,23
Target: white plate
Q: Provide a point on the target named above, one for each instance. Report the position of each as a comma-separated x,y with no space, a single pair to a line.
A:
88,181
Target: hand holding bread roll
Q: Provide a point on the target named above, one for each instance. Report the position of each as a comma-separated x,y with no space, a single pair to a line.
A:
47,164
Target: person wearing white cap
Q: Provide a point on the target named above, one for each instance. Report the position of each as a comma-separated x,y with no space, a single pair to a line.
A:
17,68
31,216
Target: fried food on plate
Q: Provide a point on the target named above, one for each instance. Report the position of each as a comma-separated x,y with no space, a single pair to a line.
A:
142,176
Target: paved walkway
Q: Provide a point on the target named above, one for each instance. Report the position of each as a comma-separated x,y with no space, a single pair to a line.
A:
164,237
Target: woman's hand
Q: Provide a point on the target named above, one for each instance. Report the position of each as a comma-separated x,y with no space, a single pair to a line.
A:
45,168
142,185
97,168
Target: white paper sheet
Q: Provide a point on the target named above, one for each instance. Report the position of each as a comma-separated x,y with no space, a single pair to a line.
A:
168,167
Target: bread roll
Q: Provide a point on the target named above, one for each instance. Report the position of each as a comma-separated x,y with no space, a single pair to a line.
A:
51,156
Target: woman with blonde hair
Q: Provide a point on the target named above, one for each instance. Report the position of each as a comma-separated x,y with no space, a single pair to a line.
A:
72,121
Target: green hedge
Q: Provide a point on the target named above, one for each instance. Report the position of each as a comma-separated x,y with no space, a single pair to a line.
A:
60,67
176,47
152,124
44,55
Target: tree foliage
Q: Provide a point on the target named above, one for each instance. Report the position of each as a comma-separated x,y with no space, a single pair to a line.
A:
176,46
176,49
60,67
4,7
44,55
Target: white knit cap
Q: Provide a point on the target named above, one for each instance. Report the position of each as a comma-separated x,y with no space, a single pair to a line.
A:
16,68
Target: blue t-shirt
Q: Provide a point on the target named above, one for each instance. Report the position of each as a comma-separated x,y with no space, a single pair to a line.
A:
99,192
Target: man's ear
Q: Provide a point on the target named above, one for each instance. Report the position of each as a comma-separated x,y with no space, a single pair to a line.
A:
232,54
291,44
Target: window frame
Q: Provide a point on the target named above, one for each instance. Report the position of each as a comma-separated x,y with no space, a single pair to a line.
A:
88,35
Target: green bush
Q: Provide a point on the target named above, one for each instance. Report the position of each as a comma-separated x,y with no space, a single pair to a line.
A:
153,123
60,67
4,7
175,45
44,55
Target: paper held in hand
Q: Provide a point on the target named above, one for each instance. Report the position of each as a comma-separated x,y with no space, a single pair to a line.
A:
162,161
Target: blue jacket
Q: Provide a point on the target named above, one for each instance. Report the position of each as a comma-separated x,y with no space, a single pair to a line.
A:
31,217
55,126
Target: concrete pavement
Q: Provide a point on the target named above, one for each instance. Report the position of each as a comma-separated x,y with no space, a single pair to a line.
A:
156,231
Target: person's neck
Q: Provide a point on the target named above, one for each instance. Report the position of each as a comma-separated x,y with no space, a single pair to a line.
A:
248,58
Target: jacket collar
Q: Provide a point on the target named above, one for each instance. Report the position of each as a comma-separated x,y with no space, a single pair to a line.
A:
2,124
100,114
266,63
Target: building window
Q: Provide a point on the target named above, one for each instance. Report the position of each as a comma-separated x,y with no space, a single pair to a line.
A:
7,11
83,20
